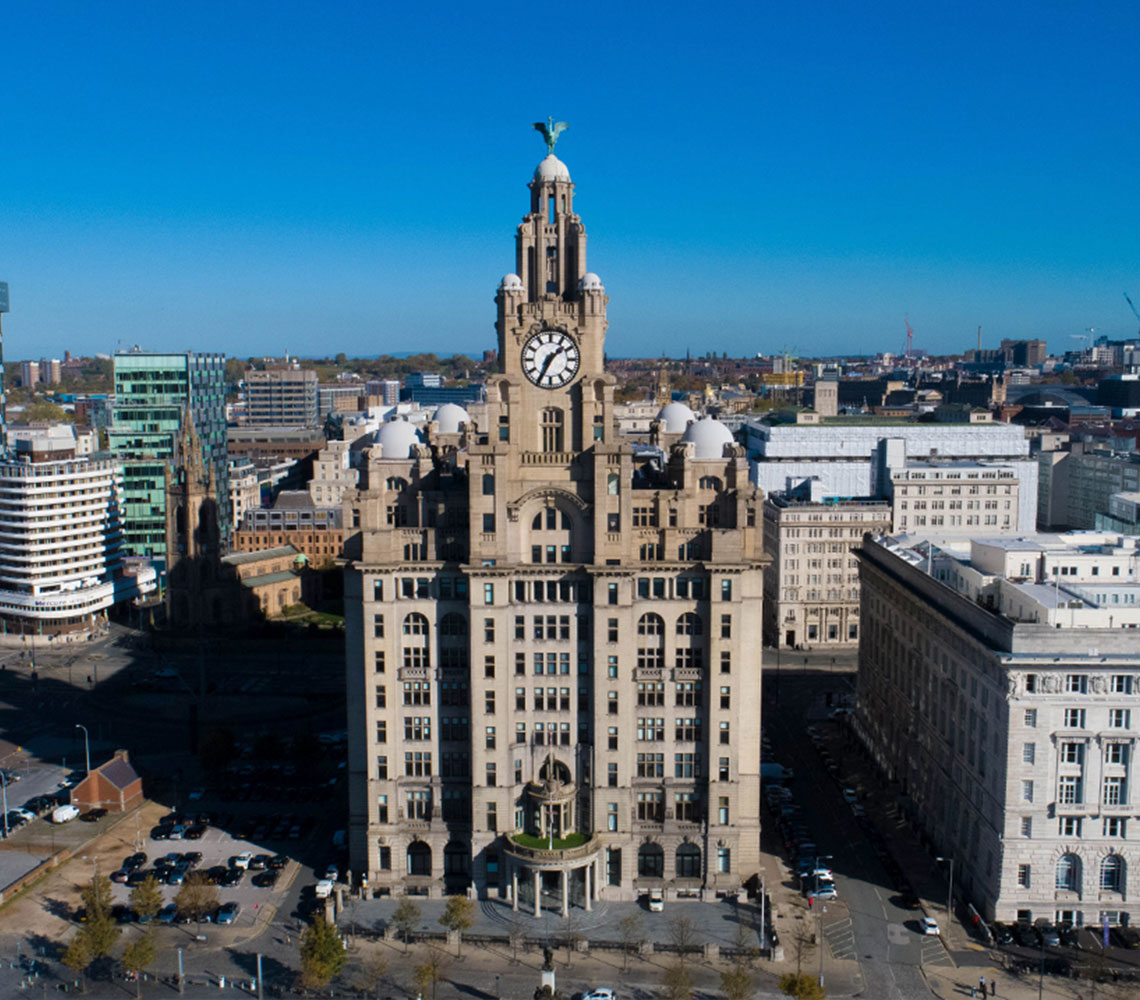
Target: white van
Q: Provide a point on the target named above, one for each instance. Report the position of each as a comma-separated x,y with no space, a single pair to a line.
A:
64,814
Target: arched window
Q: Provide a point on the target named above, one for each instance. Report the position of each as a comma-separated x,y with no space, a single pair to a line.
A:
415,624
453,625
690,624
688,861
650,624
396,485
419,858
710,483
456,858
1068,873
1112,873
651,861
552,429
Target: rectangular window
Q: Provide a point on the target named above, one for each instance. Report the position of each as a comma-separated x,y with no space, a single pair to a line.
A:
1114,826
377,590
1077,683
491,775
1027,791
612,593
1028,753
1116,753
492,817
722,810
726,697
723,860
488,593
612,630
725,734
1023,876
612,738
686,765
612,775
381,732
1074,718
726,626
1027,826
378,661
1114,791
723,769
382,768
1072,753
651,765
1121,684
381,696
725,662
1118,718
1069,790
490,738
726,590
612,816
378,626
382,808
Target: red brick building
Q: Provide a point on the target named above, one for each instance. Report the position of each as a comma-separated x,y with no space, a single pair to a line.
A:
114,786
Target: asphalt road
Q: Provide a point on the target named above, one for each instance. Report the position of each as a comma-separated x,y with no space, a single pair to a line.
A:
880,933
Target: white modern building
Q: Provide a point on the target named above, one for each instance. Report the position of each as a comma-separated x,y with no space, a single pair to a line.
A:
61,559
845,457
999,687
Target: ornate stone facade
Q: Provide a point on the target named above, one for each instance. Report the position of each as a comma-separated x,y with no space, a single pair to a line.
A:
553,642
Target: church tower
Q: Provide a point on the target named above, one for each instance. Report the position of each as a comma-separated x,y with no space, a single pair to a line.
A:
553,639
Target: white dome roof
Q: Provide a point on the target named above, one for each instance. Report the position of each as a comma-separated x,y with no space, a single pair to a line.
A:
449,416
709,437
511,281
397,438
590,281
551,169
677,417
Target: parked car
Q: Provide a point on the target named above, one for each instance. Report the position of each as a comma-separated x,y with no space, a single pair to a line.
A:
600,994
227,913
64,814
1001,932
1125,937
930,926
278,862
265,879
232,877
120,875
825,890
324,889
93,815
1047,934
241,860
168,914
1025,935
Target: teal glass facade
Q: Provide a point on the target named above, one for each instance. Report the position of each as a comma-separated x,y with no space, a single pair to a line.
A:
151,391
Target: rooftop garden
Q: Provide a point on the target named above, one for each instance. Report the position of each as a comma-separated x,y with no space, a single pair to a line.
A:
544,843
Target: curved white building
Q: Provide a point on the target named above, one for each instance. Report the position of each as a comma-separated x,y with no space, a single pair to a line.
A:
60,543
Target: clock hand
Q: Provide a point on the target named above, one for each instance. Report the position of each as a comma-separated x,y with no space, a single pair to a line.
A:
546,365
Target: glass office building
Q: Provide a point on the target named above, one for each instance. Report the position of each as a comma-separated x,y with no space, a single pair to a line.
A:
151,392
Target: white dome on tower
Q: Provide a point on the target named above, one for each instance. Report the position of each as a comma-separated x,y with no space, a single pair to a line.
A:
591,282
450,417
510,282
708,437
676,417
551,169
397,438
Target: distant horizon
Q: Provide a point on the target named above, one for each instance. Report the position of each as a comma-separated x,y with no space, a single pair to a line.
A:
757,179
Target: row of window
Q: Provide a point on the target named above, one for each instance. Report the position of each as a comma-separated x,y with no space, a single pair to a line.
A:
1070,790
1079,683
1071,752
1068,874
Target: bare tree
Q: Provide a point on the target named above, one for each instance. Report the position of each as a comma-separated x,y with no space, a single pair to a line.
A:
371,973
516,928
405,918
803,946
677,982
570,933
683,934
632,933
429,972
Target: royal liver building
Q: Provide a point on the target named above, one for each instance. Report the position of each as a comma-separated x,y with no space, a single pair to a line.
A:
554,640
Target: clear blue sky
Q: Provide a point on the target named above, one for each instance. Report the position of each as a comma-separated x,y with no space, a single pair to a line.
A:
338,176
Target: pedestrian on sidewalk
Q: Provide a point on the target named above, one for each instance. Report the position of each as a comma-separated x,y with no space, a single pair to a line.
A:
982,985
993,987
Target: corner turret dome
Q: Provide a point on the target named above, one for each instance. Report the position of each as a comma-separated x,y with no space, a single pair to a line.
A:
708,437
397,438
591,282
449,417
551,169
510,282
676,417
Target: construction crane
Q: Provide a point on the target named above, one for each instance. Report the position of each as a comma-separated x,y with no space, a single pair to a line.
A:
1131,306
909,337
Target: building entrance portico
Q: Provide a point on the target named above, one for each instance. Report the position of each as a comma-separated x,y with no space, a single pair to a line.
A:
554,879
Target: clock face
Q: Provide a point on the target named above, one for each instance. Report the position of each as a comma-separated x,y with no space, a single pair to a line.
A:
550,359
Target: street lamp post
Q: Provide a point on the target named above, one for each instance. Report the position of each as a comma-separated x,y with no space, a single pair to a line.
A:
949,892
86,744
4,785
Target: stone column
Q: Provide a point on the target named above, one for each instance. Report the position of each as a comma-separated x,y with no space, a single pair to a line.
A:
565,893
515,888
586,871
537,895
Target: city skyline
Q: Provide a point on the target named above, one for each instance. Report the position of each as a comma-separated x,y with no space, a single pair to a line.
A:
264,179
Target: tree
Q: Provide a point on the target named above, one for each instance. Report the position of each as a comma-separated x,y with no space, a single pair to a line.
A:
737,983
570,933
137,956
677,982
632,934
77,957
459,915
428,973
801,987
96,896
146,898
683,934
45,411
803,944
406,917
197,898
322,954
371,974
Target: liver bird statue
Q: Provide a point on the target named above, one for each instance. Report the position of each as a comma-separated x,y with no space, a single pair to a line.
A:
551,130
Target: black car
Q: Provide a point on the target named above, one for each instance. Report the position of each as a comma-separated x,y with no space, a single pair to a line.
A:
192,858
1070,935
194,832
1125,937
1025,935
140,875
1047,934
161,832
92,815
122,914
134,861
259,862
265,879
278,862
1002,934
232,877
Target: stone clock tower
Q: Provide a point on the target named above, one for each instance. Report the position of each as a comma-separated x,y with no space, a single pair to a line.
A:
552,639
